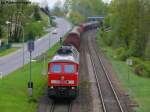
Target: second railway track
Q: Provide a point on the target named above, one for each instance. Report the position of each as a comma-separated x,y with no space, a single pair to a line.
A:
109,98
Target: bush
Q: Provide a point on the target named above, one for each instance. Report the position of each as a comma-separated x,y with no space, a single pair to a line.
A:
108,38
121,53
5,46
141,67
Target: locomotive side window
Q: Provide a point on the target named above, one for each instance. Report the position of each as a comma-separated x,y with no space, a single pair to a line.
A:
69,68
56,68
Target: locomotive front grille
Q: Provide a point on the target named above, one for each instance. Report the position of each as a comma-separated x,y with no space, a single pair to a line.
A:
60,91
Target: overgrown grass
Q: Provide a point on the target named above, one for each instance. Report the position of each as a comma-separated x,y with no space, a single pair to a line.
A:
137,87
13,88
7,51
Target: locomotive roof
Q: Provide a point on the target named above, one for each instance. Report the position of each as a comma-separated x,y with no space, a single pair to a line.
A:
64,58
67,49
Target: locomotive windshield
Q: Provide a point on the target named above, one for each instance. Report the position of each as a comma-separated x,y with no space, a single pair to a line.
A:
56,68
69,68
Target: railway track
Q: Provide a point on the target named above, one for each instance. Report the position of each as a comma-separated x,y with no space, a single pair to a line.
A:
108,96
61,107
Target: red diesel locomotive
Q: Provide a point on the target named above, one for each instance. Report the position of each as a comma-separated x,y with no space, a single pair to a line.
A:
63,69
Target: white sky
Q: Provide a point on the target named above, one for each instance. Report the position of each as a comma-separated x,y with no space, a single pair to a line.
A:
107,1
52,2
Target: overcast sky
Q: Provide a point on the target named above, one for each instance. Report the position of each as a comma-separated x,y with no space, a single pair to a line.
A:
52,2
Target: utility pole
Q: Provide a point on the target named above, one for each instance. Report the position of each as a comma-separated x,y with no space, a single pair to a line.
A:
60,40
30,83
129,63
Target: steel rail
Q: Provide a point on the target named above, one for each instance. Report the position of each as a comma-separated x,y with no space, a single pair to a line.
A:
52,107
70,107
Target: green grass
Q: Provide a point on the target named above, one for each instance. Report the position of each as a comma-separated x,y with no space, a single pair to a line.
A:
137,87
13,88
7,51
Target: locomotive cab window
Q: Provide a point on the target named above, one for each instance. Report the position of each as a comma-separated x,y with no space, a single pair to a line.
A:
56,68
69,69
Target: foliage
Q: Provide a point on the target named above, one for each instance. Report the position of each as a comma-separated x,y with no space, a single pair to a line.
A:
129,21
37,15
147,50
81,9
21,17
1,32
35,27
141,67
77,18
31,35
120,52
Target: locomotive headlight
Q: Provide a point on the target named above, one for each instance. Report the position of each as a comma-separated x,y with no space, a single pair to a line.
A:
52,87
70,81
55,81
73,88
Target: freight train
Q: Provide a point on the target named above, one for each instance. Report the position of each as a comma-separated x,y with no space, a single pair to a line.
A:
63,69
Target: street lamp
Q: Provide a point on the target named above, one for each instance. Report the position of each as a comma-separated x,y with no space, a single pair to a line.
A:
7,22
49,40
19,25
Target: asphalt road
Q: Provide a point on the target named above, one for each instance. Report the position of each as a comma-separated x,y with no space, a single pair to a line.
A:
14,60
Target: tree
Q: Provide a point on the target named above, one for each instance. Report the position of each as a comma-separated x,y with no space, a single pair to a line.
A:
31,35
37,15
130,21
77,18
